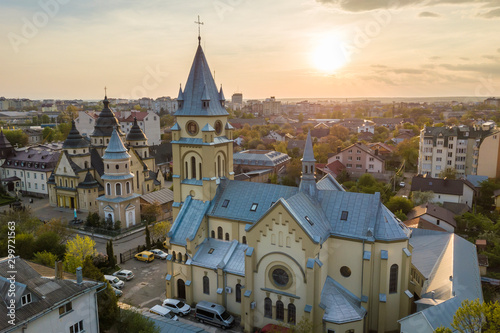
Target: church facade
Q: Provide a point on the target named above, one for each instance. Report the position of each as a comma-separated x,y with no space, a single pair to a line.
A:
275,254
106,172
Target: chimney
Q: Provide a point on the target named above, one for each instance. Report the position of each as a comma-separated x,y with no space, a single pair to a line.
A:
59,270
338,150
79,275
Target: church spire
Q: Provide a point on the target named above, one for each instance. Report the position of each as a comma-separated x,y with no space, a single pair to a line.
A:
308,178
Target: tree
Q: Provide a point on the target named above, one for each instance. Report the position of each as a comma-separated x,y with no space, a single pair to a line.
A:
399,204
48,134
69,114
106,300
474,316
148,238
150,212
131,321
45,258
343,176
300,117
408,151
448,173
111,254
485,198
160,230
17,138
56,226
93,220
24,245
420,198
50,242
77,250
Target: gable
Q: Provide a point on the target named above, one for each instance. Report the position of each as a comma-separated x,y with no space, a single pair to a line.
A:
63,167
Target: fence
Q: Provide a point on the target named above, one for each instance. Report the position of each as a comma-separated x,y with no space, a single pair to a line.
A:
127,255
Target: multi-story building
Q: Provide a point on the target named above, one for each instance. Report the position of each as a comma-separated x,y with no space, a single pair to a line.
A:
27,170
237,101
165,104
454,147
271,107
359,158
37,300
149,122
486,160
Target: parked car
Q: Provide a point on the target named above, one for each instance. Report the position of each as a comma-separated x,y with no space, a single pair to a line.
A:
159,254
124,274
402,184
114,281
164,312
176,306
145,256
214,314
118,292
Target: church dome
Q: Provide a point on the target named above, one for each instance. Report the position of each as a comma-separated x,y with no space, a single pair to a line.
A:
106,122
75,139
136,134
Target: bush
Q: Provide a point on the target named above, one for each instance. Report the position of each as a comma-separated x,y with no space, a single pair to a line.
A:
45,258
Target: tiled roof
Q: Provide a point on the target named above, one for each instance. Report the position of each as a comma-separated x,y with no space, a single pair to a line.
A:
434,211
162,196
96,161
106,122
341,306
45,292
130,118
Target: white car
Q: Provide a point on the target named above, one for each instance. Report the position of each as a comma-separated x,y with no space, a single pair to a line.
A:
124,274
176,306
114,281
402,184
159,254
118,292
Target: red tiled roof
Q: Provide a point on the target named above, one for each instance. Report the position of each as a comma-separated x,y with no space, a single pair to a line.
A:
133,114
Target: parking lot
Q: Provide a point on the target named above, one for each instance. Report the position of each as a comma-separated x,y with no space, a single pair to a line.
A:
147,289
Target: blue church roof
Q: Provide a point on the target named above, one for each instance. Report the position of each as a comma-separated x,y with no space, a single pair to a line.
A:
200,86
115,150
188,221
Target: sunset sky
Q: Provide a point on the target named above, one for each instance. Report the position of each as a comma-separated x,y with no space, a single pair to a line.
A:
287,49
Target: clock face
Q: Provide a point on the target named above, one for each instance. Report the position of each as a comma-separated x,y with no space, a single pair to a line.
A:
192,127
218,127
280,277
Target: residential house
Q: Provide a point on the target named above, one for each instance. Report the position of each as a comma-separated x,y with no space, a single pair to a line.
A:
445,190
433,214
359,158
164,198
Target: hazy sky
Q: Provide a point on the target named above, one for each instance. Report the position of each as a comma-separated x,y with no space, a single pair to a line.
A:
284,48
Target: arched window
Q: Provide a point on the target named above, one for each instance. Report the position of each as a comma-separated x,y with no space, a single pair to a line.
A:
179,257
86,165
393,279
148,187
244,240
280,311
193,167
218,166
201,176
268,308
185,257
72,184
213,233
173,256
118,189
220,232
66,182
108,189
206,285
137,177
227,236
186,175
291,313
238,293
128,187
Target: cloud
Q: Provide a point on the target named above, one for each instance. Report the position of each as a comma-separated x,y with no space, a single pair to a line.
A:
491,14
435,58
498,50
492,57
464,58
364,5
407,71
483,68
428,14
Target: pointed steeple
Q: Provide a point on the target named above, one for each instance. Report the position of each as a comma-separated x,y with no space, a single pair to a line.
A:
308,178
200,87
115,150
180,96
136,133
221,94
75,139
106,122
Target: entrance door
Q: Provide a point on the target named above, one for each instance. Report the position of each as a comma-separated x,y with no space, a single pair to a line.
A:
181,289
10,186
72,204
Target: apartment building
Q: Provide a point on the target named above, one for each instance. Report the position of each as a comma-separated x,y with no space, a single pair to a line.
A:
454,147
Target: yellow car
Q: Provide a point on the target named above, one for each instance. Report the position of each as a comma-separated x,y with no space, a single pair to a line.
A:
145,256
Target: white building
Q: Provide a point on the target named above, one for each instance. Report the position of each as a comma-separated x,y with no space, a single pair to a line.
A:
445,190
149,122
48,304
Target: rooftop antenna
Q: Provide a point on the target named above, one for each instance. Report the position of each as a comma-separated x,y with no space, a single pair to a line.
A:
199,31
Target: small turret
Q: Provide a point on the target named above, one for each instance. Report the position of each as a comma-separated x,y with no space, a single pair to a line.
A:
308,178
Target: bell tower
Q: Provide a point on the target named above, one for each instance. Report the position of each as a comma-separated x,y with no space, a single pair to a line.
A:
202,138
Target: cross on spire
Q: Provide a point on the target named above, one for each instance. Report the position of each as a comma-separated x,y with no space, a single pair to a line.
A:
199,32
105,91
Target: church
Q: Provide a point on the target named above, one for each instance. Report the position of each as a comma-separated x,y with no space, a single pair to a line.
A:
106,174
275,254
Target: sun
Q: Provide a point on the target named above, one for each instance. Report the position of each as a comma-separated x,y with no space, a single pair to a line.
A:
328,57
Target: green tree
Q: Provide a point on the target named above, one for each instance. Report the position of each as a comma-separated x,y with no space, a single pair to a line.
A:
150,212
448,173
45,258
420,198
131,321
24,245
50,242
160,230
485,199
48,134
474,316
300,117
408,151
77,250
399,204
111,254
17,138
148,238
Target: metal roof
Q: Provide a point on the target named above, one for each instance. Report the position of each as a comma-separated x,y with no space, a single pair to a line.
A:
162,196
260,157
227,255
308,150
200,86
341,306
188,220
115,150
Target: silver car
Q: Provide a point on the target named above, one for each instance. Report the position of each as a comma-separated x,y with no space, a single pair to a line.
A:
159,254
124,274
176,306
